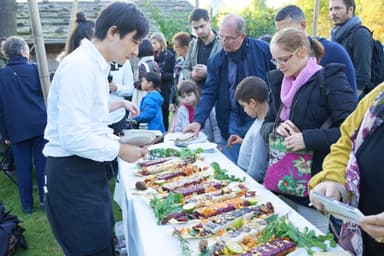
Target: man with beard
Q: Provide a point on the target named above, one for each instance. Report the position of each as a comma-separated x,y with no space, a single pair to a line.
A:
357,40
201,48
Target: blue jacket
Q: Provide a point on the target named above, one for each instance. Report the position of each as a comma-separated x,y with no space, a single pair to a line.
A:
335,53
22,109
150,111
253,59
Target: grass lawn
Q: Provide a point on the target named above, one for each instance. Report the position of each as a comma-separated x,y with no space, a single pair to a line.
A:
37,230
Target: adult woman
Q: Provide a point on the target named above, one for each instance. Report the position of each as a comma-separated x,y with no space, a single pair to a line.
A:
83,28
23,118
356,159
305,105
166,61
180,43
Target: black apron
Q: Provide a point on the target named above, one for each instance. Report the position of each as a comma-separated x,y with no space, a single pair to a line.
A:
78,205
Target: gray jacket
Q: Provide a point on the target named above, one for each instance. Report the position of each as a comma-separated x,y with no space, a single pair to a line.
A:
191,58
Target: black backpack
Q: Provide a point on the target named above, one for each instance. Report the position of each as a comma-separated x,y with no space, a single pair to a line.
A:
11,233
377,62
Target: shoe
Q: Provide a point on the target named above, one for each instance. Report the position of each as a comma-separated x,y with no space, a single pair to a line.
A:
27,210
42,206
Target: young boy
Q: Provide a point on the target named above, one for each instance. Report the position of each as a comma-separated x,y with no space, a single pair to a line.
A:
150,106
252,95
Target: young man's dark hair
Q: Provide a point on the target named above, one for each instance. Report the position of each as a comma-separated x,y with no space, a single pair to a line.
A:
154,78
199,14
145,48
252,87
350,3
126,18
292,11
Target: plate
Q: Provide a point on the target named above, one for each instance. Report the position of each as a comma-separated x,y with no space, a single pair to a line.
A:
137,137
207,146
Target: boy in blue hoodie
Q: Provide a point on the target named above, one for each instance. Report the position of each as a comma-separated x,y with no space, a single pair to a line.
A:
150,106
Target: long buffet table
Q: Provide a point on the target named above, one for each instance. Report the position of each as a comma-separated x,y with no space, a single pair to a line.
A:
145,237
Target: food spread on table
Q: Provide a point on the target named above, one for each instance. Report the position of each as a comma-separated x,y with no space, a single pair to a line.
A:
204,201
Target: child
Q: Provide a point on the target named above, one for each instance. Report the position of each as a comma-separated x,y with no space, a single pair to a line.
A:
150,106
252,95
189,97
146,64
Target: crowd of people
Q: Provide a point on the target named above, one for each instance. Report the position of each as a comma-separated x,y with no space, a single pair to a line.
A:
235,89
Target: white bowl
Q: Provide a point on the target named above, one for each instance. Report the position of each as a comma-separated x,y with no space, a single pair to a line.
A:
138,137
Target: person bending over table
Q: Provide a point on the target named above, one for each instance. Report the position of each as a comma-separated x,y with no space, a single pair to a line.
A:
80,145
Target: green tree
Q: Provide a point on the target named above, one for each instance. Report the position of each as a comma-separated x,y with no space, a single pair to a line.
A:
167,23
258,16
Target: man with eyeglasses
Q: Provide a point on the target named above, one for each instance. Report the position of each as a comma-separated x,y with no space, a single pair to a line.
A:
201,48
240,57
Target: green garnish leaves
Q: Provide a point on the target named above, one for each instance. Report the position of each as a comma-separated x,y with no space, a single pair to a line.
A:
184,153
163,207
221,174
282,227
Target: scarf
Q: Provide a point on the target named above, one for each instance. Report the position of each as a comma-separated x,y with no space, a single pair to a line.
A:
338,32
191,111
290,86
373,118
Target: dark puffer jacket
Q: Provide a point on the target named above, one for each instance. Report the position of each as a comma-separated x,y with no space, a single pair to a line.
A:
312,107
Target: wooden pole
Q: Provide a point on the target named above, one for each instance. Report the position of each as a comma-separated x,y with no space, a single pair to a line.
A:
40,47
315,17
75,5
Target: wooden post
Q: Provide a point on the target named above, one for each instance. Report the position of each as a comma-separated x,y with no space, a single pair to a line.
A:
197,5
75,5
40,47
315,17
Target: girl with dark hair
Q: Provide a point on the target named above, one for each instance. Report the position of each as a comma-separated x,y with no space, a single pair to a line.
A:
189,96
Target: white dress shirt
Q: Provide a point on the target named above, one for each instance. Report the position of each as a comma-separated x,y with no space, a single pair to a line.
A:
123,79
78,108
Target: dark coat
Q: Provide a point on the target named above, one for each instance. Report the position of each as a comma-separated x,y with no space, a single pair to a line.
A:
254,58
166,61
312,107
22,109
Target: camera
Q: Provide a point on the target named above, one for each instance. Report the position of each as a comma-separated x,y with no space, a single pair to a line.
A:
114,67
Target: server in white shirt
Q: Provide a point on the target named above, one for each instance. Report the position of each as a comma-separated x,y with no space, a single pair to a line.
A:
80,144
120,88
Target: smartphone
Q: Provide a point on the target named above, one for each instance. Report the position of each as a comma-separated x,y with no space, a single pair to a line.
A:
338,209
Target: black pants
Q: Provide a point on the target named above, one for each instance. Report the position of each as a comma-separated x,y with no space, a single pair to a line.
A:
79,207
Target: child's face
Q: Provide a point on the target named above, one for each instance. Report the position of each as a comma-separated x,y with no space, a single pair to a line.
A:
146,85
189,99
250,107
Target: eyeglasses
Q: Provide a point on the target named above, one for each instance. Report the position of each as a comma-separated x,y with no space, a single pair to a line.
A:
284,60
228,38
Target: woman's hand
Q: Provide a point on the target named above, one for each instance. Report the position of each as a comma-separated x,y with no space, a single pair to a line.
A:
374,226
287,128
295,142
234,139
330,189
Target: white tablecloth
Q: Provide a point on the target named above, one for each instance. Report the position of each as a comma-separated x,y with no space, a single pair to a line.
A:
145,237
